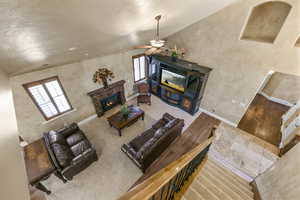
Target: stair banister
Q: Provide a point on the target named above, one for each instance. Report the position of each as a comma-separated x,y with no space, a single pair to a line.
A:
147,189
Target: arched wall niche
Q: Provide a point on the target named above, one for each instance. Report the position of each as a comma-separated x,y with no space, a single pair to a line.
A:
266,21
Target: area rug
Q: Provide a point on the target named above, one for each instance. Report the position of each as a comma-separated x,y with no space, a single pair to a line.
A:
114,173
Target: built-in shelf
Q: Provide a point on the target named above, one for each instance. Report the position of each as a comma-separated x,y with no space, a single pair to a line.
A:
266,21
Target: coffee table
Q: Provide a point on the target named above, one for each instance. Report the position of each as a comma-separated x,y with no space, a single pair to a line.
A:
118,121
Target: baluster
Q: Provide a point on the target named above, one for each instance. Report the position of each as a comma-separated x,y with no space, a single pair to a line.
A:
174,185
162,192
182,179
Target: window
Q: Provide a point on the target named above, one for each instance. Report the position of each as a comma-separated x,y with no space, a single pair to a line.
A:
49,96
139,67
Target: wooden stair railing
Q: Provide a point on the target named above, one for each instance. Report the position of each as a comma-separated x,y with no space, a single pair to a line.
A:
169,180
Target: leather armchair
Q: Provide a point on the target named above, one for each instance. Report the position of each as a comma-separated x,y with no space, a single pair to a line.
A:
70,150
144,96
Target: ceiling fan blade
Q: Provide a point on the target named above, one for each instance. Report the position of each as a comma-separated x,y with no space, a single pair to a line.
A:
150,51
143,47
157,51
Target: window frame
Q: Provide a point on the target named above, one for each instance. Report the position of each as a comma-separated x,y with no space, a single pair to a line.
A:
146,67
43,82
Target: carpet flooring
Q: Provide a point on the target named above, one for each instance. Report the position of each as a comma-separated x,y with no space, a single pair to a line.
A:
114,172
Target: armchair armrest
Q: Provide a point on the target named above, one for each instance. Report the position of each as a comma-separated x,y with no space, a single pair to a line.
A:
79,163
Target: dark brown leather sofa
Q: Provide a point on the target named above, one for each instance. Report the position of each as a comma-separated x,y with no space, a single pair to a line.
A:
70,150
147,147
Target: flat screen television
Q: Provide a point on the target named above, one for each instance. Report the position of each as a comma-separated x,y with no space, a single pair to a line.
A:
173,80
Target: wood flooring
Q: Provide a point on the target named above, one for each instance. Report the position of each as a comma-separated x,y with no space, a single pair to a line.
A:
194,135
263,119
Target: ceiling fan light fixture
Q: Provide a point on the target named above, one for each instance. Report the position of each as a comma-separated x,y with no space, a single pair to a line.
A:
157,43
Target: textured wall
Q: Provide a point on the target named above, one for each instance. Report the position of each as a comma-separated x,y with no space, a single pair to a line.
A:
239,66
284,86
77,81
281,182
13,184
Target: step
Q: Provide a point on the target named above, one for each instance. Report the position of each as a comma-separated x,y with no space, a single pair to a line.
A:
203,191
235,178
225,186
212,187
229,172
190,194
229,180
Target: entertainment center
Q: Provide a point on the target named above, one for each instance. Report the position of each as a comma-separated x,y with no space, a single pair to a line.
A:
179,83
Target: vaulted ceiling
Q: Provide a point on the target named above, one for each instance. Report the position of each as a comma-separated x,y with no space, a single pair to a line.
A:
39,32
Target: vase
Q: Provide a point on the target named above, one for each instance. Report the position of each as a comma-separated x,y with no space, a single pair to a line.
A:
105,83
174,58
125,115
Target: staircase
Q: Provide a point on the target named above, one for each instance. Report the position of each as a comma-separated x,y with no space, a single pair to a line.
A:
217,183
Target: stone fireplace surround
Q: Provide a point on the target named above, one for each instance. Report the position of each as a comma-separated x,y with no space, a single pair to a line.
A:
102,93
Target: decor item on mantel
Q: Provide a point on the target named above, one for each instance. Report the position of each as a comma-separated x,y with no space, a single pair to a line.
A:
101,76
175,53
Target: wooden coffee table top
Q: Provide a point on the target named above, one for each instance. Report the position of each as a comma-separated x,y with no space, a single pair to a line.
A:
117,120
37,161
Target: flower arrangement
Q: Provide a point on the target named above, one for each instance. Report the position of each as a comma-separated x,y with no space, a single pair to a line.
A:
174,53
125,110
101,76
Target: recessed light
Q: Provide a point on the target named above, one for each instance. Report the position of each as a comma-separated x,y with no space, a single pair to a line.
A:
72,48
86,54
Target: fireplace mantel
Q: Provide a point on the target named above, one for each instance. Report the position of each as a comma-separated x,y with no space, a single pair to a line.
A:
101,93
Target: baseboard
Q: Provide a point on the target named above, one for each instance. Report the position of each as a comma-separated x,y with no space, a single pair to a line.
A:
276,100
218,117
87,119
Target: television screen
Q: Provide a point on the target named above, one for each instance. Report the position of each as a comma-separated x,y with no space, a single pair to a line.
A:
173,80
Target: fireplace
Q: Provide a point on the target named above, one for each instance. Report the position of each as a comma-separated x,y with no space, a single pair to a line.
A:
105,99
110,102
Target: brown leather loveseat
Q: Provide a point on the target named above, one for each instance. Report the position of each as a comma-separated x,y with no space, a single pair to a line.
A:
70,150
148,146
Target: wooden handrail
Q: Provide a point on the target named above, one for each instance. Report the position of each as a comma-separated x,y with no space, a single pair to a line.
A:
150,186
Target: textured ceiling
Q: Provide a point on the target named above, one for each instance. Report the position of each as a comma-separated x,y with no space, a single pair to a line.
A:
38,32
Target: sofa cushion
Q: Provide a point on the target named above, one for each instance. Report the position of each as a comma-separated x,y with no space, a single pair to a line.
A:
160,123
80,147
168,117
63,154
158,133
69,130
140,140
75,138
55,137
172,123
146,148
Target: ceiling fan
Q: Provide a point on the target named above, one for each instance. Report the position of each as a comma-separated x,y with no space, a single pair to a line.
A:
157,45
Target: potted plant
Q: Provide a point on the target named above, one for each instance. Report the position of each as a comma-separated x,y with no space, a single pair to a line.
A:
102,75
174,54
125,111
